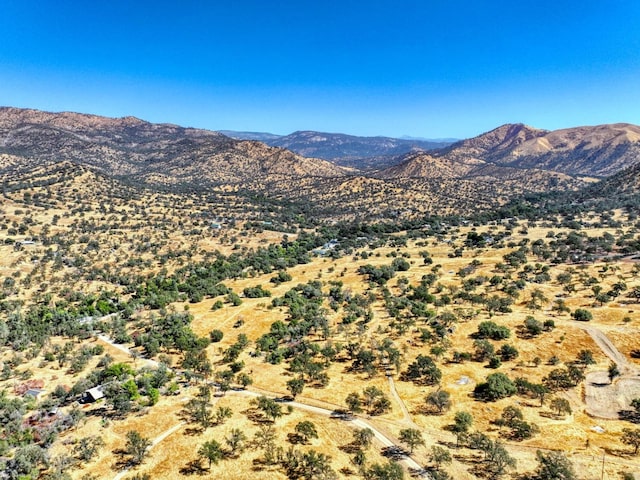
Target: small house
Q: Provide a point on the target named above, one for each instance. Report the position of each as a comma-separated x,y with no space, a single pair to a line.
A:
93,394
33,392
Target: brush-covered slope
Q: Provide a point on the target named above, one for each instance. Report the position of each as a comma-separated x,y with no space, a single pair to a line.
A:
135,148
493,145
480,173
424,165
623,184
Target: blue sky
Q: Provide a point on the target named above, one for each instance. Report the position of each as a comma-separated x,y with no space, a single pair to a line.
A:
430,68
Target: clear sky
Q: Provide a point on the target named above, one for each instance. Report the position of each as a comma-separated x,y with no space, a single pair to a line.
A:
429,68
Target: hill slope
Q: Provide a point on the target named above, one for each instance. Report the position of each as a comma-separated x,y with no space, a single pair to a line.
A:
135,148
484,172
583,151
346,150
595,151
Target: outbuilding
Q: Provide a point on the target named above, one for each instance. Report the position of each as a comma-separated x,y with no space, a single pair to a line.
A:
93,394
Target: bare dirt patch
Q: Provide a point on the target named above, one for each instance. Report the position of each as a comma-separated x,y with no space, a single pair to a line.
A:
604,399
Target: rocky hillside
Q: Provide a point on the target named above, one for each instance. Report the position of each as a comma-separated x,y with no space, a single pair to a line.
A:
593,151
583,151
135,148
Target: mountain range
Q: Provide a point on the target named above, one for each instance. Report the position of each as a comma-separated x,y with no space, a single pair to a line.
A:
591,150
345,150
597,151
479,173
152,153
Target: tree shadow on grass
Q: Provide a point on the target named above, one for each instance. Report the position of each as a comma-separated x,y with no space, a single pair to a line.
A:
350,448
193,431
469,459
260,465
449,444
194,467
255,416
551,415
395,453
122,460
427,410
295,439
632,416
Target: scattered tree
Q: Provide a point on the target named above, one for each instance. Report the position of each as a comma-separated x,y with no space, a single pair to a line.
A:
411,437
87,447
222,414
354,402
582,315
363,437
211,451
497,386
269,407
439,399
462,424
388,471
631,437
560,406
136,447
554,466
585,357
423,371
295,386
613,371
440,456
306,430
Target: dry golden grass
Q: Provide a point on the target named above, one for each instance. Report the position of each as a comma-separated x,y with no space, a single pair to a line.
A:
172,456
569,434
564,342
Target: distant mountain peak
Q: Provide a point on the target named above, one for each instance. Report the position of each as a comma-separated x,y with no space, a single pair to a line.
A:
506,133
595,151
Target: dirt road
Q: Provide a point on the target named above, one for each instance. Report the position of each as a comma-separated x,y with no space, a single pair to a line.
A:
607,347
409,462
605,398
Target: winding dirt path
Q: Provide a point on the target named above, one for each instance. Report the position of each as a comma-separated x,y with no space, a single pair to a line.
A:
122,348
608,348
406,416
413,466
409,462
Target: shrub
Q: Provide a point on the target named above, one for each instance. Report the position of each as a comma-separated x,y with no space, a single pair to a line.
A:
256,292
216,335
497,386
582,315
493,331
